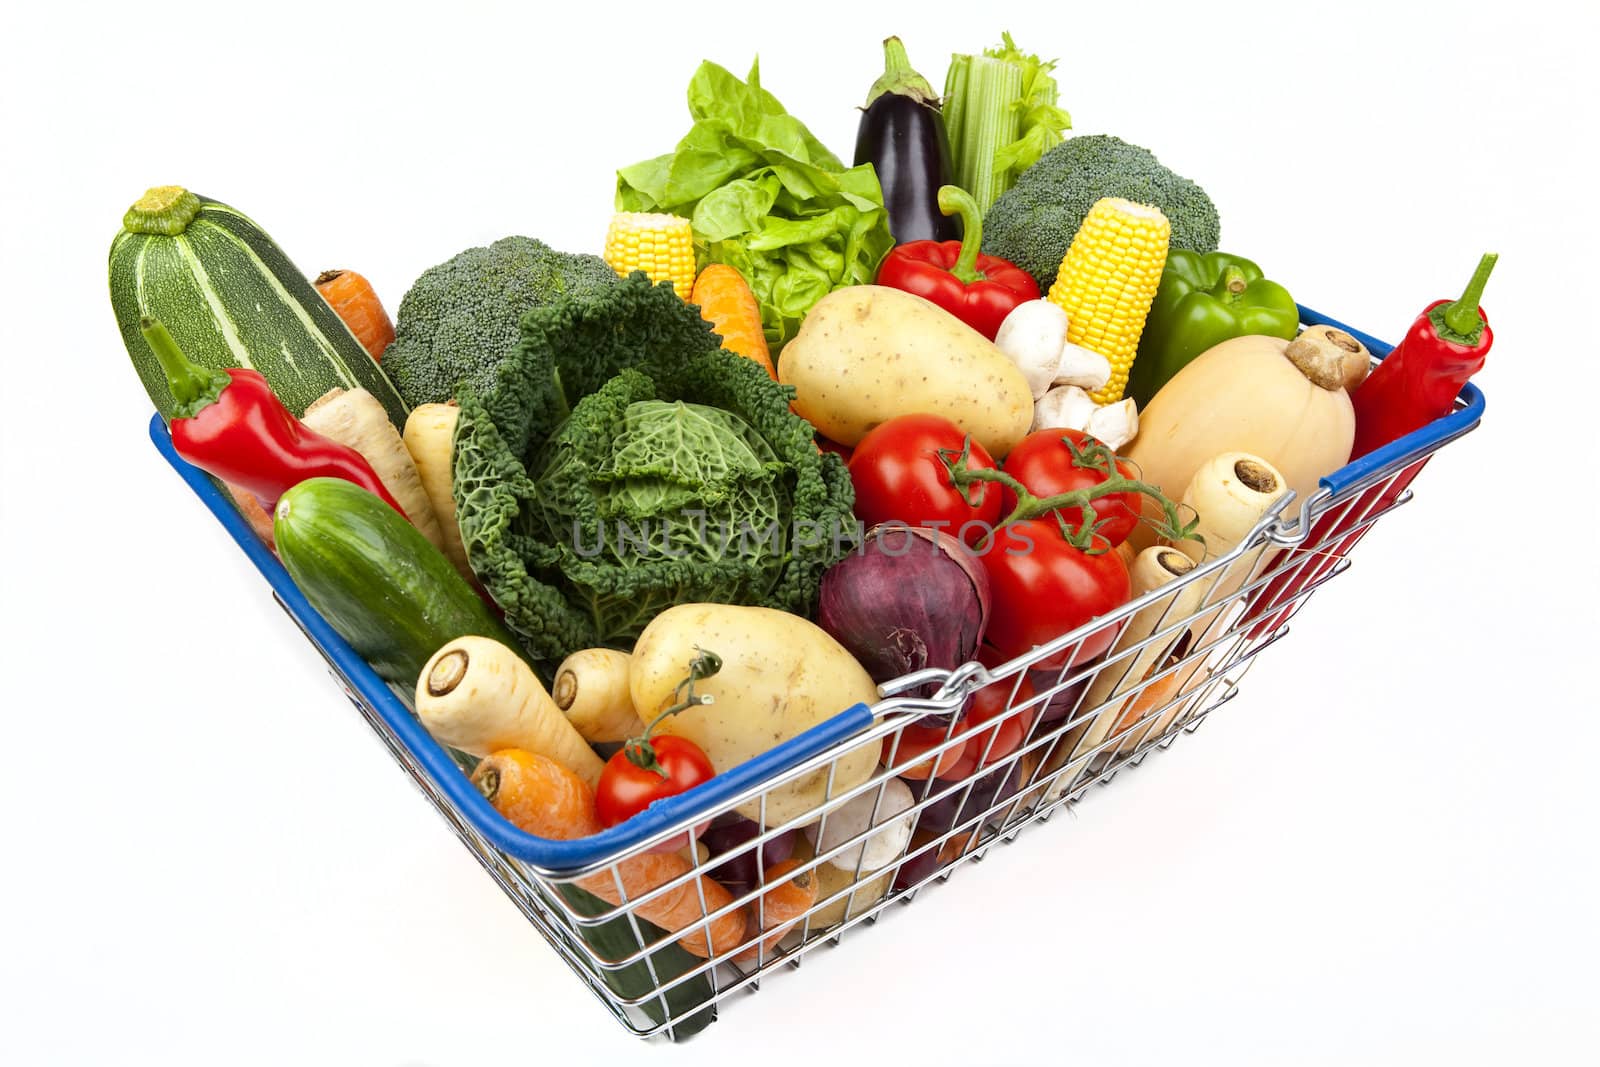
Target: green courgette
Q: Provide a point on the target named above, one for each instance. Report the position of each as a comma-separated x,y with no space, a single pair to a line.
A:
231,298
380,584
615,940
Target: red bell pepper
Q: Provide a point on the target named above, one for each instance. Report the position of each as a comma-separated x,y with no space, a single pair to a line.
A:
230,424
979,290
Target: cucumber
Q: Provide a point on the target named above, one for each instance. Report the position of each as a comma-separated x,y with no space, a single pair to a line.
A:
615,940
231,299
380,584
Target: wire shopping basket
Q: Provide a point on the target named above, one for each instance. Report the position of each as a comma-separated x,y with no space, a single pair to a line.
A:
662,952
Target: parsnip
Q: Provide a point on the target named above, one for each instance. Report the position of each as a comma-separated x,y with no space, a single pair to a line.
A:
477,695
356,419
1230,493
591,689
1152,569
430,438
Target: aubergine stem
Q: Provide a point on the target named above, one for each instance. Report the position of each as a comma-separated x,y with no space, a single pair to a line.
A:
899,78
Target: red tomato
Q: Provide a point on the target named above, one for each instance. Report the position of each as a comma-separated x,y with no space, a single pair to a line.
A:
625,788
1043,463
992,703
899,477
1043,587
915,740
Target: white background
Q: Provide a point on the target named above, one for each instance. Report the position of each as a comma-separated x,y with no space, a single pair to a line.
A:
1382,852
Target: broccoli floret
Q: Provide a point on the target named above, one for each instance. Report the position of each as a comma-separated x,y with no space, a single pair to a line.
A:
1034,222
460,319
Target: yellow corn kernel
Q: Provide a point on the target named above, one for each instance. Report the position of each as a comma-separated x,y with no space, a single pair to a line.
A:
660,245
1108,280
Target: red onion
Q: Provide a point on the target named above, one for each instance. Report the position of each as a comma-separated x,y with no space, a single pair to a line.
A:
1063,700
730,834
907,599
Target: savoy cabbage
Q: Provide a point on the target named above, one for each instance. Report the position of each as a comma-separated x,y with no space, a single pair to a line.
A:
622,462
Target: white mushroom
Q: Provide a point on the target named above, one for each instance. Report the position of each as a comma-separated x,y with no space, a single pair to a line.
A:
1065,407
1081,367
1115,424
890,821
1032,336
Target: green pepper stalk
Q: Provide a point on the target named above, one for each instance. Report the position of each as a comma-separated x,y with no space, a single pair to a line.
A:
954,200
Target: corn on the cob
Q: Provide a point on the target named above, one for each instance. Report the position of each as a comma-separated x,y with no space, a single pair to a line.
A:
1107,281
660,245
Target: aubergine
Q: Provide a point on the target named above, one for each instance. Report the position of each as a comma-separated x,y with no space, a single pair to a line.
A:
902,136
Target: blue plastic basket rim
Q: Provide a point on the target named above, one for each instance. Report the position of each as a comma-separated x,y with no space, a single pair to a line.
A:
558,857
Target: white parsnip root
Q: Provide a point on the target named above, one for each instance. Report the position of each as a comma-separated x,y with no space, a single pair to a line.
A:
356,419
430,439
1229,494
591,689
1152,569
478,696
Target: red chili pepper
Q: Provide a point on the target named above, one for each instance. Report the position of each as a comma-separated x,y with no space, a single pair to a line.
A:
1415,384
230,424
1419,380
979,290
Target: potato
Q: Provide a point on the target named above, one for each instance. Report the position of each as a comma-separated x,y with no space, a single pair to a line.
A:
780,676
866,353
831,880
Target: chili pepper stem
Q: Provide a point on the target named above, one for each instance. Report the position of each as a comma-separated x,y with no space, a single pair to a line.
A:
1461,317
954,200
192,385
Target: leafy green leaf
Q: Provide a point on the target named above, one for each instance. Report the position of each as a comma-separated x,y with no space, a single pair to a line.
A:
764,196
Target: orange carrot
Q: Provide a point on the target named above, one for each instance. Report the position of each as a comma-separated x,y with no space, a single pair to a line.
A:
1155,695
728,304
353,297
543,798
249,506
783,905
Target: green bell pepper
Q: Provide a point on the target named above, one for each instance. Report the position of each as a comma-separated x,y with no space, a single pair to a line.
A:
1203,300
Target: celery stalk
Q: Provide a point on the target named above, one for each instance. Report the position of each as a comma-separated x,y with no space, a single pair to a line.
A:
1000,116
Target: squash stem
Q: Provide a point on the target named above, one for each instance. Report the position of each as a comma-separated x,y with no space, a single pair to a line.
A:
165,209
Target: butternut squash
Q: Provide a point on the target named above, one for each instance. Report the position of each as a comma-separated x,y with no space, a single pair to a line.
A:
1281,400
